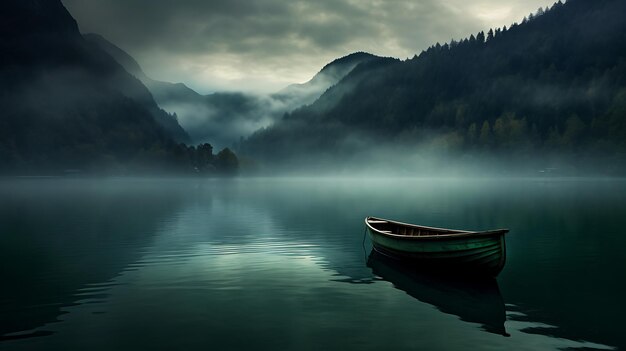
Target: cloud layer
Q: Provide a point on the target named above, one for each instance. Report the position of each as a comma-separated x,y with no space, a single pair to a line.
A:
264,45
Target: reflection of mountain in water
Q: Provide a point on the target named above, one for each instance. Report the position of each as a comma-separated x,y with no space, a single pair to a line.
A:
476,301
62,242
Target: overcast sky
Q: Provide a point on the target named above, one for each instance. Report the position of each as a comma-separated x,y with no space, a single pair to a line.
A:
264,45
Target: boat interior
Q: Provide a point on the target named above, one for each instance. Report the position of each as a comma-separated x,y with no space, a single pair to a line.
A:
390,227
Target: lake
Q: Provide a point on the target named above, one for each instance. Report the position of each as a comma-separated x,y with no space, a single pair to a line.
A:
282,264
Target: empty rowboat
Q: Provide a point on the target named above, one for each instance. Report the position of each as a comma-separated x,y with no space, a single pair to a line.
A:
428,248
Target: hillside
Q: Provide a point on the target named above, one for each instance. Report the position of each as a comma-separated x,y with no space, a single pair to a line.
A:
555,83
163,92
67,104
222,118
297,95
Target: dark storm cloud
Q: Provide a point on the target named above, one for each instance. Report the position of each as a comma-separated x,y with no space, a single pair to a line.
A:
266,44
239,25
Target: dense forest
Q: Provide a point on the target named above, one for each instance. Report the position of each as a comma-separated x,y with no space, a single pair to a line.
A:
68,106
553,84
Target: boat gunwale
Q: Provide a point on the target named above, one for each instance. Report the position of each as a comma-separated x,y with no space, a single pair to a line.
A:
457,234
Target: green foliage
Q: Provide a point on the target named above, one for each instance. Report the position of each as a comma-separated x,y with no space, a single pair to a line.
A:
201,160
472,134
510,132
485,134
226,161
574,131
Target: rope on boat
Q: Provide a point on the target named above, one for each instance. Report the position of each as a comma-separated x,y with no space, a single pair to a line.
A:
365,249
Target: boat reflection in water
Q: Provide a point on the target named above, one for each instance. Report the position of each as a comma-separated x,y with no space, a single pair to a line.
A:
474,300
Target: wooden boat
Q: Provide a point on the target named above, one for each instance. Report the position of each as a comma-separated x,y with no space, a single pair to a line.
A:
428,248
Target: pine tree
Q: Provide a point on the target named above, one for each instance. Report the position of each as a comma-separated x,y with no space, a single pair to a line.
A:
480,37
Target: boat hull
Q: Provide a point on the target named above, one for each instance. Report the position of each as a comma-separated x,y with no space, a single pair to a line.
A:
480,255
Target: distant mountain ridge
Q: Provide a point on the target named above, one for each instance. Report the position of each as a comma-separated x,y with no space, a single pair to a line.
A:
306,93
223,118
162,91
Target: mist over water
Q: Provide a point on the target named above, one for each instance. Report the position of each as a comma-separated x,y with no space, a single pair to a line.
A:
280,264
362,157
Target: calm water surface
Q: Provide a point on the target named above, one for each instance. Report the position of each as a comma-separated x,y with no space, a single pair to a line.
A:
279,264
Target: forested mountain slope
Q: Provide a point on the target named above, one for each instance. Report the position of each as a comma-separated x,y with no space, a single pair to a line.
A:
67,104
555,83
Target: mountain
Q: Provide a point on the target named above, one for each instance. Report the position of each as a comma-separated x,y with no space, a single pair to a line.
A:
554,84
223,118
297,95
163,92
131,66
65,104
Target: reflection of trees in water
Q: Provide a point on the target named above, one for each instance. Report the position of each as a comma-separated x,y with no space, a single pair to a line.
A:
59,236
